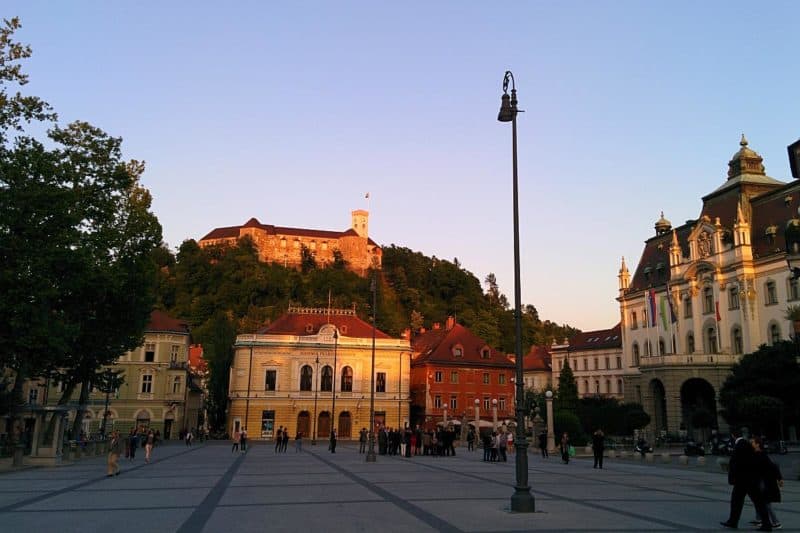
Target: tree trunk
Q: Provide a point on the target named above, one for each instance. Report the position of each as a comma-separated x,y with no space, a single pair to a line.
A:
76,424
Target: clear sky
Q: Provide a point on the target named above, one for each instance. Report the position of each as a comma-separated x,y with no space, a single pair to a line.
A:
292,111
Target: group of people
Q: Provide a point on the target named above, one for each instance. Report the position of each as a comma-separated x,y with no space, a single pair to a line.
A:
239,440
495,446
129,443
753,474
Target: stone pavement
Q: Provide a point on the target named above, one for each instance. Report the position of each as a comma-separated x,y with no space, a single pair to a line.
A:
206,488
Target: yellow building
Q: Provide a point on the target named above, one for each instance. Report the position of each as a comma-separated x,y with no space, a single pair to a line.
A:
310,363
284,246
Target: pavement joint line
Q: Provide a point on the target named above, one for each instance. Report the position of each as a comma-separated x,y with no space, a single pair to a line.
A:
52,494
202,513
577,501
432,520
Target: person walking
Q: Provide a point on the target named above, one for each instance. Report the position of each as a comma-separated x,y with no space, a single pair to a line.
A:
362,441
285,440
243,440
543,444
502,445
332,446
114,449
742,475
471,440
149,442
298,442
565,448
279,439
133,443
598,447
770,482
237,437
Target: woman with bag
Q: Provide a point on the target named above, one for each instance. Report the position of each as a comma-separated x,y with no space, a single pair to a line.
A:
565,448
770,482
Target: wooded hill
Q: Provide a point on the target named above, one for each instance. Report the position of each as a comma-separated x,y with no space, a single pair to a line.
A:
224,291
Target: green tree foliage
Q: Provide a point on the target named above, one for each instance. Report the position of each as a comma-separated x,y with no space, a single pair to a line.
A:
771,371
635,418
77,240
567,394
608,414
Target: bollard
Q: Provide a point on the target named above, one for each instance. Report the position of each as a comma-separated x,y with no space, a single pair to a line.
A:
588,450
649,457
623,454
683,460
609,453
701,461
637,456
666,458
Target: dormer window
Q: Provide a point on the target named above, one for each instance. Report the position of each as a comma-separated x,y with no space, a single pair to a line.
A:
770,232
458,351
309,328
647,272
485,352
343,329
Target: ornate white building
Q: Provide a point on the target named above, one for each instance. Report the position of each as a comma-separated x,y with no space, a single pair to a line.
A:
706,292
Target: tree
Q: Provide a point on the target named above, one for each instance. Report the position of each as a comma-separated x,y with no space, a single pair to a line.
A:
771,371
567,390
76,239
635,418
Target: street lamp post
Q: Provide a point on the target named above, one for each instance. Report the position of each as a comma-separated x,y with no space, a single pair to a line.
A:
333,385
477,417
316,392
551,442
522,500
494,414
371,457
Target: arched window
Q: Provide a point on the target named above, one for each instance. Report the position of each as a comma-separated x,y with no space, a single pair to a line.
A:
708,300
733,298
690,343
619,386
347,379
326,379
711,341
774,334
635,354
305,377
648,348
586,386
736,340
687,307
608,386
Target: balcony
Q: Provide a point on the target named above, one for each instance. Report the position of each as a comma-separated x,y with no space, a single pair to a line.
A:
177,365
689,360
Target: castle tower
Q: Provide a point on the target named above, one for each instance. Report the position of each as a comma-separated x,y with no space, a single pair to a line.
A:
360,222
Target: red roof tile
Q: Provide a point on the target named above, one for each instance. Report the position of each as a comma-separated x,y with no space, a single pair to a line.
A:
437,345
300,323
161,321
597,339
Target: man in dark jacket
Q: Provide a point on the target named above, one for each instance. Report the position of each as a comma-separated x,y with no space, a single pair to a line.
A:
598,447
744,478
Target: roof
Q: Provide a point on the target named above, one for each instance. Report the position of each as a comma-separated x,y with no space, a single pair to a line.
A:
161,321
600,339
308,321
538,358
440,346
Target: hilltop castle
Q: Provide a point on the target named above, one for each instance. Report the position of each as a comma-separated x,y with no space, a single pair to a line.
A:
284,246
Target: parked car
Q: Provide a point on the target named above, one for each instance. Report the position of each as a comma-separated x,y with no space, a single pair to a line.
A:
694,448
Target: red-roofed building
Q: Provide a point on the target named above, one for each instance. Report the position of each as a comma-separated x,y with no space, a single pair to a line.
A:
595,358
283,245
310,363
537,369
451,367
706,292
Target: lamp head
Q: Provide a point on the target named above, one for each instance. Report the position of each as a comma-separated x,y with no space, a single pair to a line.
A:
494,401
477,402
506,113
549,394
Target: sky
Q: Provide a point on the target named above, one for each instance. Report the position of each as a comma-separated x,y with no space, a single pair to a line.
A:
291,112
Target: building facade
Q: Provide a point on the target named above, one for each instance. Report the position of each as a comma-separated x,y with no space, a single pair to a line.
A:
159,391
312,368
285,246
537,369
451,368
706,292
596,360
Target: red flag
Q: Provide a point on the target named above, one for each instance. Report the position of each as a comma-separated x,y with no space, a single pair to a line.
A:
718,317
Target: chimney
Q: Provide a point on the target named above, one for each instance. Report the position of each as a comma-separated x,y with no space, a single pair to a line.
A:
437,325
451,321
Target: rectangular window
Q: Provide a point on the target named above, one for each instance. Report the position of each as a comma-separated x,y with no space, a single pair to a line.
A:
501,379
174,351
268,424
269,379
595,363
149,352
147,384
485,378
585,364
453,402
619,362
608,363
487,402
176,385
453,377
634,321
33,396
501,404
644,318
437,402
687,307
772,293
733,298
380,382
437,377
794,291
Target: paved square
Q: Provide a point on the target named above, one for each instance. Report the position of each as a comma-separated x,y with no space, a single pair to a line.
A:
207,488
